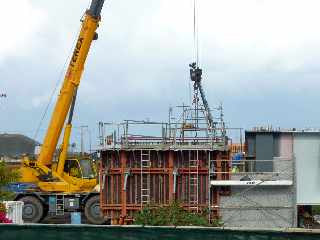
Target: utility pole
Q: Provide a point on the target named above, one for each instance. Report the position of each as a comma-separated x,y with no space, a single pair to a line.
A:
90,149
82,139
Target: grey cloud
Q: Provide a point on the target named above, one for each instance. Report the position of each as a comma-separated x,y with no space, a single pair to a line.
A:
135,71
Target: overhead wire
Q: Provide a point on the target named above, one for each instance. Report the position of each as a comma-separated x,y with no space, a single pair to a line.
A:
190,92
195,48
241,194
195,32
264,211
58,82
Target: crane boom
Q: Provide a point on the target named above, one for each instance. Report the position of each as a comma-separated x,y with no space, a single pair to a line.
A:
73,179
71,81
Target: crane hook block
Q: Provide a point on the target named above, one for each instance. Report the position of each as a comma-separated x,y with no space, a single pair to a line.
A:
195,73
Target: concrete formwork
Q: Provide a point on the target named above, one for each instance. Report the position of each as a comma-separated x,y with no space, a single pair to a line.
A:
133,179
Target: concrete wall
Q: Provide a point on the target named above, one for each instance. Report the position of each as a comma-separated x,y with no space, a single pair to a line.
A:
259,207
265,206
297,158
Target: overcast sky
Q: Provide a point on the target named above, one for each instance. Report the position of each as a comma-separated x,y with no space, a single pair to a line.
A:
260,58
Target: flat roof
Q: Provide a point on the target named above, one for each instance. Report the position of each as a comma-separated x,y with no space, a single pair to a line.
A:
283,131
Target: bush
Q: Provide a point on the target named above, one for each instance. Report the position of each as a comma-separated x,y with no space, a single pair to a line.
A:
172,215
6,176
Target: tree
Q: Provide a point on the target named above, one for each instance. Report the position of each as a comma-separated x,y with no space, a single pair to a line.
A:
7,176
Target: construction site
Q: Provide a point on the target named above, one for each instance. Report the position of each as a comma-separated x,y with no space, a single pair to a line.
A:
177,164
199,175
190,159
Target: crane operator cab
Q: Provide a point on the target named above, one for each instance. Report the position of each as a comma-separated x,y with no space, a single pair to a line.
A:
80,172
80,168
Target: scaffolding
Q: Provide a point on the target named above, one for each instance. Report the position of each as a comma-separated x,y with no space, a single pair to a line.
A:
157,169
161,162
190,159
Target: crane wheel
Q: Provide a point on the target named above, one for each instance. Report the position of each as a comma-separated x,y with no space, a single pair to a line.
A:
32,209
92,211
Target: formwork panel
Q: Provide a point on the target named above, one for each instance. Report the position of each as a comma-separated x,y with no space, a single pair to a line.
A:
133,179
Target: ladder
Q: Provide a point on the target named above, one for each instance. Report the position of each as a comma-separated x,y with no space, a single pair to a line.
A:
193,179
145,177
60,204
212,166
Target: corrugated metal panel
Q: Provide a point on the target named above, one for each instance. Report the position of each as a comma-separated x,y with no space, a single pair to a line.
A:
307,154
264,151
286,145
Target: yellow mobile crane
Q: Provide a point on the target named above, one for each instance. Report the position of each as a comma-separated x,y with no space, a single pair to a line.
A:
48,188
